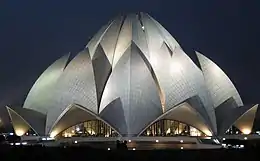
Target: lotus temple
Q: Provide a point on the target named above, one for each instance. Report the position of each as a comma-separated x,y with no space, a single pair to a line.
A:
133,80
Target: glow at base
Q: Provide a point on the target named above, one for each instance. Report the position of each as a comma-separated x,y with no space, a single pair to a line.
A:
246,131
19,132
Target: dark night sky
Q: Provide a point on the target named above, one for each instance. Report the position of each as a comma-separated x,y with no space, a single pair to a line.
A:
33,34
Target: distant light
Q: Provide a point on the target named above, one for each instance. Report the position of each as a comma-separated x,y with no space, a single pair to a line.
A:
143,27
157,141
11,133
17,143
27,133
129,141
236,132
133,148
108,148
245,138
24,143
11,143
34,134
50,138
182,147
224,139
77,129
242,146
44,139
181,141
75,141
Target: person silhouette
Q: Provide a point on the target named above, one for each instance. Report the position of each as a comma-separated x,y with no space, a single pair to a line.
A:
117,144
124,146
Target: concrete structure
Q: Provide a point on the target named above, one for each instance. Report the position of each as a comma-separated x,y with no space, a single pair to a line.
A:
131,76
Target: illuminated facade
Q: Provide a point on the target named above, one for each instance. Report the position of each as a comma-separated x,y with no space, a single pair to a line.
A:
94,128
132,79
171,128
